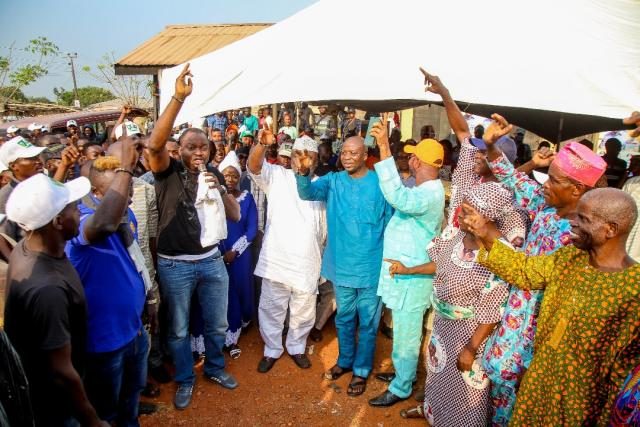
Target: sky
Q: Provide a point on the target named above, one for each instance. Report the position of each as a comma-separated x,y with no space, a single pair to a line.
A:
92,28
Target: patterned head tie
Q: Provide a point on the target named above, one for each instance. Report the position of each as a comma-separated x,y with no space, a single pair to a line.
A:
580,163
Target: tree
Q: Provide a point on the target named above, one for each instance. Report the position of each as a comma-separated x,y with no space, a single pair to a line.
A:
132,90
12,93
41,99
40,52
88,95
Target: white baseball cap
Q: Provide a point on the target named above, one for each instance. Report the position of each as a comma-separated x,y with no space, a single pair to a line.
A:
37,200
126,128
33,126
72,123
13,129
18,148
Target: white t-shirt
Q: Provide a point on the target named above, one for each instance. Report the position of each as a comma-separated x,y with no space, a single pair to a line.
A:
295,232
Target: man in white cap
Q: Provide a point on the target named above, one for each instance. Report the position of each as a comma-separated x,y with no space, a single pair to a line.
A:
46,315
12,131
35,129
72,128
22,158
296,230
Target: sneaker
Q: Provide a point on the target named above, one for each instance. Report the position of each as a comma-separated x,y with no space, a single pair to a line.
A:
265,365
224,379
183,396
301,360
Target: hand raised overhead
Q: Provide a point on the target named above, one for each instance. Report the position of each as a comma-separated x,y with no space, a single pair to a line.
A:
184,83
302,162
432,83
634,120
498,128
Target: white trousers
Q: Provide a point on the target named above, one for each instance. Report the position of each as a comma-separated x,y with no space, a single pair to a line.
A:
274,300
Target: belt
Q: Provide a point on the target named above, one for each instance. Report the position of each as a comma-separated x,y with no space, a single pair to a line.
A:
451,311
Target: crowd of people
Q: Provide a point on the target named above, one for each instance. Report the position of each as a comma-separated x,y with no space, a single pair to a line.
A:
136,258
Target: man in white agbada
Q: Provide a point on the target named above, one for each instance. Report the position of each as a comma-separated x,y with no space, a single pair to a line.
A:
290,258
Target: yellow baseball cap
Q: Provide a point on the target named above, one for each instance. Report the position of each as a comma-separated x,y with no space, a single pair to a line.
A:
428,151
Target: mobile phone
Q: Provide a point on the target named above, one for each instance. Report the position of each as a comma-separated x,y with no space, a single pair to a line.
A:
370,141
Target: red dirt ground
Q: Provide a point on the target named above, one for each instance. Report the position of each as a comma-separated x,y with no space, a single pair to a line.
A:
285,396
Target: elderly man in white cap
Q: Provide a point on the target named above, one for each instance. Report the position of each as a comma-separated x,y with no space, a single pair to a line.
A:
22,158
46,314
290,258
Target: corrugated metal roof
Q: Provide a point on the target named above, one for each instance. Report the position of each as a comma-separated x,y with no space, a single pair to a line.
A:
180,43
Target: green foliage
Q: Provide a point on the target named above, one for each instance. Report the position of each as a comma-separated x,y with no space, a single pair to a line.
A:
42,99
87,95
13,78
12,93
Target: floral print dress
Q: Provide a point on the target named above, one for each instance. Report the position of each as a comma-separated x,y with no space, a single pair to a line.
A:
509,350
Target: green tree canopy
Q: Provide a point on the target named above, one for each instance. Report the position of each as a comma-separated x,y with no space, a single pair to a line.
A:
87,95
12,93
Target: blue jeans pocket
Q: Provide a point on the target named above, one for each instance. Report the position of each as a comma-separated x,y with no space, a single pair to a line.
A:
166,263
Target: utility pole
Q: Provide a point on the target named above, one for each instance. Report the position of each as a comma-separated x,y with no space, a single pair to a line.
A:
76,100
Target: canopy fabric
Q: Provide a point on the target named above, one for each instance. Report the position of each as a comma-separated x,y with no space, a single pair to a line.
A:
542,60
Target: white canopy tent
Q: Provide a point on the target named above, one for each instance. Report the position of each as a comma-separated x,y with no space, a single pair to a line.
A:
568,60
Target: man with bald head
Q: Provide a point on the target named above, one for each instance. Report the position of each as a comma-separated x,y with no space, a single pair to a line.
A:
357,215
550,204
589,322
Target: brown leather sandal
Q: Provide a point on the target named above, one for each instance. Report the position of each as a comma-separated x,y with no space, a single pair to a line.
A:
415,412
335,372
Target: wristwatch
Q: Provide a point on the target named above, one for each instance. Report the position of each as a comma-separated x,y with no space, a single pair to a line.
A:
222,189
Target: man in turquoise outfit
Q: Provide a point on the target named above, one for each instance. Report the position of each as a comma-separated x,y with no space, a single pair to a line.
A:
357,214
418,217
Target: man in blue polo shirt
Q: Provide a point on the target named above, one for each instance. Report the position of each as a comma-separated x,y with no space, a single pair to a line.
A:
114,278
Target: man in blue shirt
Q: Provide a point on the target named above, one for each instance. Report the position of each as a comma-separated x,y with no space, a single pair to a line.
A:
357,214
114,285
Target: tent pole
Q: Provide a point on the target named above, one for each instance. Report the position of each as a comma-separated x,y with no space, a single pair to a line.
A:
560,125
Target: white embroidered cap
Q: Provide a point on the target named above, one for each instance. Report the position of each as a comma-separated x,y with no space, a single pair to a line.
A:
230,160
305,143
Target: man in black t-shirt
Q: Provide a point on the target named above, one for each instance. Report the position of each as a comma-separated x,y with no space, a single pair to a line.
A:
184,265
45,313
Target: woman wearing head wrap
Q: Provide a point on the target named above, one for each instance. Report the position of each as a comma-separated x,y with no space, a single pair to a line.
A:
237,257
467,299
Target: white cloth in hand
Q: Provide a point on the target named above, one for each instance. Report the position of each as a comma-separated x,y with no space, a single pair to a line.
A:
213,222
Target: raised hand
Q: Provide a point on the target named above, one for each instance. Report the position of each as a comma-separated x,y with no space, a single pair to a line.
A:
498,128
69,156
302,162
543,157
184,84
634,120
432,83
130,154
266,137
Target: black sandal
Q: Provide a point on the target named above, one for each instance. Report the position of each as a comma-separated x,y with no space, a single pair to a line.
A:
336,372
355,385
234,351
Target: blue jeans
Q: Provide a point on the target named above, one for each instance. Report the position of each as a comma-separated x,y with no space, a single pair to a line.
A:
359,306
115,379
179,280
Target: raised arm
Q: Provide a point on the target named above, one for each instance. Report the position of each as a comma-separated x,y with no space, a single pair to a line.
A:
158,154
126,110
107,217
317,190
69,158
454,115
257,153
